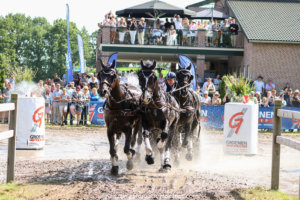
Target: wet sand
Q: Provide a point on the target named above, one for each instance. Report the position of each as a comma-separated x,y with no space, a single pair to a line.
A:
78,158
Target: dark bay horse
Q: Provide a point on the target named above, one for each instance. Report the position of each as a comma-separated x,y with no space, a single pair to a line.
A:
120,113
189,102
159,115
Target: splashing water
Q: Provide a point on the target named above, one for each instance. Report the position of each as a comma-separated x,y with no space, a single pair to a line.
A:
25,88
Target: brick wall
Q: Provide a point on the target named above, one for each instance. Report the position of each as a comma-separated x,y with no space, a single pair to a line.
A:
279,62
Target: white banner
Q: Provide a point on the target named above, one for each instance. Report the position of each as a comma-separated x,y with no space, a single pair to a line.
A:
30,123
241,128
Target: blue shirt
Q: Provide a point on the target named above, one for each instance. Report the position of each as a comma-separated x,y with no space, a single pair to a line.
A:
95,97
156,34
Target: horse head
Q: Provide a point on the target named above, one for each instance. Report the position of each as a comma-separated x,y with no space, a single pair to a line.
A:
107,77
147,80
184,77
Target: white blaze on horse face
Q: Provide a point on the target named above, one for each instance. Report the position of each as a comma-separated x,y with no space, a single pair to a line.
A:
148,146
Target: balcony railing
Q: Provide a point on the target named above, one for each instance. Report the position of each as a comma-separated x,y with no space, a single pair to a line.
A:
189,38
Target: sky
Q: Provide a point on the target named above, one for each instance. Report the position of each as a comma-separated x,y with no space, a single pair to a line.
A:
83,12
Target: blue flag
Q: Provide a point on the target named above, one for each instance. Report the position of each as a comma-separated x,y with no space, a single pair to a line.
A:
81,54
69,65
112,58
185,62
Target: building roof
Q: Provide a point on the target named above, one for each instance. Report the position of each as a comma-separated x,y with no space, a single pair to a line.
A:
276,21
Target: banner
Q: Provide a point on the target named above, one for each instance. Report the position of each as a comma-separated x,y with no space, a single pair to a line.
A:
212,116
112,58
81,54
186,61
96,112
69,66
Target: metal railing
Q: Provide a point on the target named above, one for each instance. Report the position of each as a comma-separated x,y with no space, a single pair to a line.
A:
10,135
280,140
168,37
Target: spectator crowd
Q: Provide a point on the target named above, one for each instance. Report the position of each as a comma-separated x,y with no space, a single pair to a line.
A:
173,31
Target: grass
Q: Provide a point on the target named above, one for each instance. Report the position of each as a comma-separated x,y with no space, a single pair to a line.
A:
13,191
258,193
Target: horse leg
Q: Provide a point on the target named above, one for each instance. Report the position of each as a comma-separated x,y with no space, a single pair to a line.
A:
188,142
128,150
139,142
166,161
113,152
163,136
149,153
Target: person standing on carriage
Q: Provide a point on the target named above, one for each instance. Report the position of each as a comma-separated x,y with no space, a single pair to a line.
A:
170,82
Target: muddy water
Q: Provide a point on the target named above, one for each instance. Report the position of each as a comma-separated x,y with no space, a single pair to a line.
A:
91,144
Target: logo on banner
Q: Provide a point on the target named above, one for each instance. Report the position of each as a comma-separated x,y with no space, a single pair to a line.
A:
296,123
92,110
37,118
235,122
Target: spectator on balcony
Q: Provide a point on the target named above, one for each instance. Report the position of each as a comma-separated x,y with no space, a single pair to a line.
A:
225,39
122,29
270,86
200,25
172,23
172,40
141,31
157,35
288,97
215,29
178,26
113,29
132,30
259,85
167,24
185,31
216,100
209,33
296,99
105,21
164,35
234,32
193,32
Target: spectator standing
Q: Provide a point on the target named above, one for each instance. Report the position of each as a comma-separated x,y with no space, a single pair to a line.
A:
258,98
216,100
47,98
296,99
141,31
56,99
56,79
94,95
77,103
93,83
287,87
12,80
63,106
132,30
269,85
70,89
234,32
215,29
264,102
122,30
65,78
171,40
7,92
217,82
288,97
167,24
259,85
192,33
178,26
185,30
105,21
83,79
123,77
86,105
209,34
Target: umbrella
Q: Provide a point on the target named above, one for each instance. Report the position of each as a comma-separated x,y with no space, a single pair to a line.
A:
154,9
209,13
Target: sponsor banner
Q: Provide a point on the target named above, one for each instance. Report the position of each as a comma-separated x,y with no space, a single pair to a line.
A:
213,116
96,112
31,123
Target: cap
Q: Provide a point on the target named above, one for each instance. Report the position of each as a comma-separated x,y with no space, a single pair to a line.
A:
170,75
296,91
217,93
206,92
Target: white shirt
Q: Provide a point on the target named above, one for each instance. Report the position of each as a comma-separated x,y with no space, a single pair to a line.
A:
178,23
259,85
206,101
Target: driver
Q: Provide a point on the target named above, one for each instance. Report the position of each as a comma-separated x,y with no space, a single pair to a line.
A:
170,82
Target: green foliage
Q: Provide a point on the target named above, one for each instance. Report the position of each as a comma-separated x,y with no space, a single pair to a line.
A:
2,79
237,87
24,74
35,43
222,89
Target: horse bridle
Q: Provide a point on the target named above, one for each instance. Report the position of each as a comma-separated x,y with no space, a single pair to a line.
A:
111,72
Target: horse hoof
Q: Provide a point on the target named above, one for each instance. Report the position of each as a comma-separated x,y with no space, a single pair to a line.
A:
137,157
129,164
189,156
167,166
149,159
115,170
